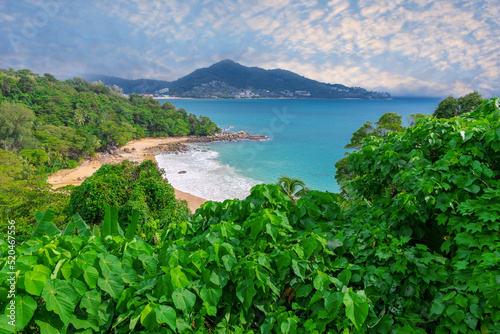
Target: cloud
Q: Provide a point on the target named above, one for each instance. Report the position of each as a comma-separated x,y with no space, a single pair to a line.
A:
401,46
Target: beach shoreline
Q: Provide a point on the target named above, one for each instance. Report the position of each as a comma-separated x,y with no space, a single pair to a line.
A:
136,150
140,150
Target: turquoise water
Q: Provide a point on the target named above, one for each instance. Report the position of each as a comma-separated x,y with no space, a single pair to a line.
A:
306,138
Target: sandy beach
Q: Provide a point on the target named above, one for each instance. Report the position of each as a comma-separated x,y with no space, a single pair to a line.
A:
136,150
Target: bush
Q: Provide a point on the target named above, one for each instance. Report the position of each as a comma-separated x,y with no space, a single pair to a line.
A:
129,186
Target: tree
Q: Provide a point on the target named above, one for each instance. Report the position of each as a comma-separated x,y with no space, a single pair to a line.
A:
16,121
451,107
22,195
413,118
129,186
388,122
363,132
292,187
116,90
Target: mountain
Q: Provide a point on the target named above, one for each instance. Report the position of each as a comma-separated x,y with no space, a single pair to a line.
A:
139,86
228,79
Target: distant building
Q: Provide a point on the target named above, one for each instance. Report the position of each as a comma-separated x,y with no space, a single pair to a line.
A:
302,93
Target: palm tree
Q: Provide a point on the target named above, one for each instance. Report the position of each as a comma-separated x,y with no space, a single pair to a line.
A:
292,187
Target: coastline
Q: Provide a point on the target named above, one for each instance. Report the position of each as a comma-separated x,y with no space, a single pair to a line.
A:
136,150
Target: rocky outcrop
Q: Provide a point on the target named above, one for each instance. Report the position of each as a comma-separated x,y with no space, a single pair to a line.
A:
169,148
225,136
180,147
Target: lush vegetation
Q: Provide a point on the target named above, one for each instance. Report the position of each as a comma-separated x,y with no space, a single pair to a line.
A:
22,194
73,119
452,107
414,249
128,186
47,124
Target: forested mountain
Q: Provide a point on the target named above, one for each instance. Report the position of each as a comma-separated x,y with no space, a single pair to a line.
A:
228,79
139,86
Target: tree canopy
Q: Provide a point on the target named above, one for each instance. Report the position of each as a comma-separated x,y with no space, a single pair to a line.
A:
77,118
452,107
16,122
128,186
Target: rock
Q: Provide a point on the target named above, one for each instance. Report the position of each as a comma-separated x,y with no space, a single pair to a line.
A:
182,172
226,136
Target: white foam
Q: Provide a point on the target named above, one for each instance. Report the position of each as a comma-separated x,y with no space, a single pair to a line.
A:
204,176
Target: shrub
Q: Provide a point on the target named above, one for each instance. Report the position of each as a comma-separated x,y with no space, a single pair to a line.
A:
129,186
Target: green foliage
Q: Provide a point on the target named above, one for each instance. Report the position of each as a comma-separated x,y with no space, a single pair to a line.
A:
16,121
75,118
129,186
207,275
435,189
387,123
292,187
415,251
451,107
22,194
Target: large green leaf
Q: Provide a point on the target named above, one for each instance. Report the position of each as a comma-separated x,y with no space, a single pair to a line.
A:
229,262
166,315
70,228
109,264
133,225
309,245
44,224
183,299
356,308
35,280
110,224
90,275
25,309
60,297
91,301
289,326
5,327
112,284
299,268
245,291
178,278
91,324
49,323
199,258
148,317
82,228
211,293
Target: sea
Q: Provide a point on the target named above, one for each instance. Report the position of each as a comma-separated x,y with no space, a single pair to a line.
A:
305,139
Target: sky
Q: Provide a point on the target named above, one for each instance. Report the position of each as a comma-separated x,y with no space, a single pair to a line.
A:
404,47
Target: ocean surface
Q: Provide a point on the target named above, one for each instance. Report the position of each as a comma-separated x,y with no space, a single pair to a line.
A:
306,138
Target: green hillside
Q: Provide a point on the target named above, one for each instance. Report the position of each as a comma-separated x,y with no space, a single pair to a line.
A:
76,118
